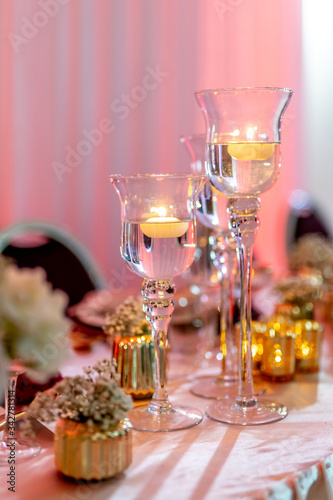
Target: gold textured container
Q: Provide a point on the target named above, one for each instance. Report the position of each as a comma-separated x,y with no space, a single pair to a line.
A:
135,364
278,358
89,453
308,345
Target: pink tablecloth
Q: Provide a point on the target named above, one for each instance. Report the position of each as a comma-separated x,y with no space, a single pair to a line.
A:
211,461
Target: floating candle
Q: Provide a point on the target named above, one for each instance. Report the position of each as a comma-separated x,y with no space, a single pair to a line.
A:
247,151
164,227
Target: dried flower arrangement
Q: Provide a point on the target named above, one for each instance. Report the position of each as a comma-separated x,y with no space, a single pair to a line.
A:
128,320
297,289
92,398
33,326
315,252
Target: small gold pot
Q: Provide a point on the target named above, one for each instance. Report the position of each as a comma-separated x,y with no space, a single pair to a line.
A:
88,453
135,364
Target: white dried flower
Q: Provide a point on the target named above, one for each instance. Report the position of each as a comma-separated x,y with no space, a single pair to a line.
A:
297,289
315,252
94,397
128,320
32,322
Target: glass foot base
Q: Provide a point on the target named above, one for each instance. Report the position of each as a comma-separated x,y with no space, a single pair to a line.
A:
180,417
18,451
215,388
263,412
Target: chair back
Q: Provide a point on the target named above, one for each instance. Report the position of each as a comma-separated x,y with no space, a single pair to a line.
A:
68,264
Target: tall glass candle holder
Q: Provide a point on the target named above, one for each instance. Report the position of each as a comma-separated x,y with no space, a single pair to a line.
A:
243,139
158,241
212,213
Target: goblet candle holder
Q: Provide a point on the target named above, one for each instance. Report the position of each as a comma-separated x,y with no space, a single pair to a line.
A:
243,160
212,213
158,243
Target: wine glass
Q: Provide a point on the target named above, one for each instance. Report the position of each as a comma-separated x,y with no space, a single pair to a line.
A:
158,243
12,448
243,128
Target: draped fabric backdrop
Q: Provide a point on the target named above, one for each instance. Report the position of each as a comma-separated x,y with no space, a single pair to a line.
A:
89,88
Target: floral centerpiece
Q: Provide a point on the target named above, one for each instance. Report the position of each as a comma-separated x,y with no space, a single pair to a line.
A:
93,398
312,252
33,326
131,340
33,330
128,320
90,410
296,295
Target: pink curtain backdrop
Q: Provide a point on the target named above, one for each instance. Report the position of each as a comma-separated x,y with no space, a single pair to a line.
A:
92,88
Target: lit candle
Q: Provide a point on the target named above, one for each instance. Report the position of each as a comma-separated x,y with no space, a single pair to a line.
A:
251,151
278,358
308,345
164,227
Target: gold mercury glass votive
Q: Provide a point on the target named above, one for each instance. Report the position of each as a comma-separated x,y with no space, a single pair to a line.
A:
88,453
308,345
135,364
278,357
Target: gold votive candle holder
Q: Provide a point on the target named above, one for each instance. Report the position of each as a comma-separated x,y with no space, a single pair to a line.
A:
135,364
88,453
308,345
278,357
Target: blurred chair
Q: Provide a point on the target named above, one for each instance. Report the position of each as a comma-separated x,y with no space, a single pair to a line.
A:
68,265
304,218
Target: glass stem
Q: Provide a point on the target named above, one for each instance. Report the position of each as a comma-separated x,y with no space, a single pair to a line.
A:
9,430
244,223
246,392
228,344
158,306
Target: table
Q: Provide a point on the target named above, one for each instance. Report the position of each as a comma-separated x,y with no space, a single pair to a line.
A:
212,460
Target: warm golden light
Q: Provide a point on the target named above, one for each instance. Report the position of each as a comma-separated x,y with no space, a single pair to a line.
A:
164,227
248,151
